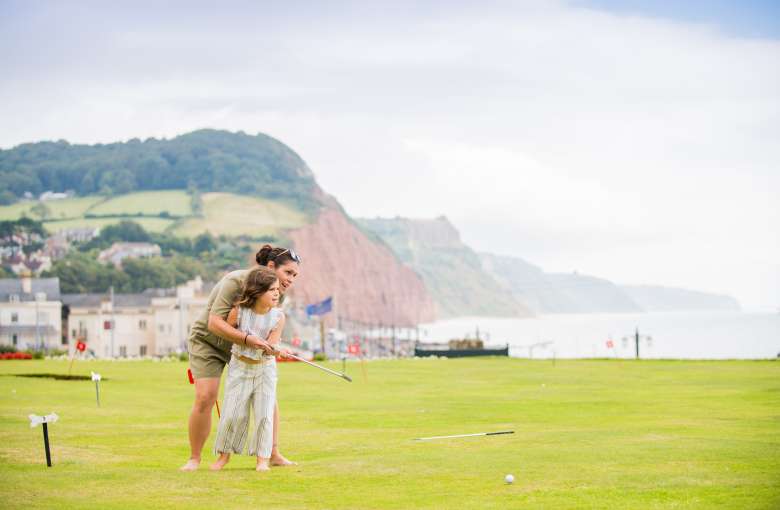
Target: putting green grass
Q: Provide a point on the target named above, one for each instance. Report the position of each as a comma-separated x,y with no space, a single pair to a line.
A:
588,434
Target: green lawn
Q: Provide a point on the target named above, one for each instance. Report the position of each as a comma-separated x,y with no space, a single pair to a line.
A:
175,202
589,434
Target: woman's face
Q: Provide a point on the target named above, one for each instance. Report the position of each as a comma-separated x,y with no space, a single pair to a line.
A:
287,273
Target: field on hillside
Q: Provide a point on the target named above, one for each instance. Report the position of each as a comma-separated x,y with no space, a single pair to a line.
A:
74,207
588,434
234,215
174,202
223,213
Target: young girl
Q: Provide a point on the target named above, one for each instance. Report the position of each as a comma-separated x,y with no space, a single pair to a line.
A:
251,379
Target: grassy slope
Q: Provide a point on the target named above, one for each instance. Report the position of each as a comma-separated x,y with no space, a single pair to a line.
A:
176,202
223,213
589,434
229,214
65,208
149,224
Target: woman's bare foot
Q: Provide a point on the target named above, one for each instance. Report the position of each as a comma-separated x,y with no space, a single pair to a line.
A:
279,460
223,459
191,465
262,465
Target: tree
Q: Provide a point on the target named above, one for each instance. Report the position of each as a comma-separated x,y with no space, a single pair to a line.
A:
41,210
204,243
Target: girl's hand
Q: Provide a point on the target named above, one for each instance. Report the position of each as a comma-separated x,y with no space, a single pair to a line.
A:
257,343
285,353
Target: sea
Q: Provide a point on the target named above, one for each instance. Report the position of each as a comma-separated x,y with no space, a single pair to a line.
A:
662,335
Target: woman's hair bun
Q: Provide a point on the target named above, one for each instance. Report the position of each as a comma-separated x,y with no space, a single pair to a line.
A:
261,257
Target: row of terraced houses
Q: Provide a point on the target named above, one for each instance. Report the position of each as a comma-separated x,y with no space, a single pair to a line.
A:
34,315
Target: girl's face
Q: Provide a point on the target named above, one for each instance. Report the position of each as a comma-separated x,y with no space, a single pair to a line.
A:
286,273
270,298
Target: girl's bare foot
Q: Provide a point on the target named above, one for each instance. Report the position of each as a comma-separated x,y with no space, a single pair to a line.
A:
191,465
279,460
223,459
262,465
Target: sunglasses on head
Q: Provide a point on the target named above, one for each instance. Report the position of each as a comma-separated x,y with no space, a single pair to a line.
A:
292,253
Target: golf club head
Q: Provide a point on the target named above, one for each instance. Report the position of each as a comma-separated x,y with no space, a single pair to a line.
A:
346,377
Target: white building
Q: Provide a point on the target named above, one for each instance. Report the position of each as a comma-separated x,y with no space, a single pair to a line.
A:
155,322
121,251
30,313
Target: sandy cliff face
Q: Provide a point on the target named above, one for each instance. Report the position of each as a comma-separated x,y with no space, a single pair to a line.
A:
367,281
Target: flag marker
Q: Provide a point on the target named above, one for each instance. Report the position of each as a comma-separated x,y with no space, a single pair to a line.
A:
96,378
44,420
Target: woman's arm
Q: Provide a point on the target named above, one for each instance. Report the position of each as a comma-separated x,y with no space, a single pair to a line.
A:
221,328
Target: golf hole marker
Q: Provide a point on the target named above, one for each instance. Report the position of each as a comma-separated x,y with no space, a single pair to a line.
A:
96,378
44,420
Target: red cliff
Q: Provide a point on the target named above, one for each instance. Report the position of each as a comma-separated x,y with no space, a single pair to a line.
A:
368,283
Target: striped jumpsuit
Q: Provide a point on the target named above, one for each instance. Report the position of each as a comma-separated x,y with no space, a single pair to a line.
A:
249,385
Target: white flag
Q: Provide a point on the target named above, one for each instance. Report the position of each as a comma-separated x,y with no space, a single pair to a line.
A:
95,377
37,420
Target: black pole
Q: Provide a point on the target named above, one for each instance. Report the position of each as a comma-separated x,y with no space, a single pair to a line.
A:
46,444
636,338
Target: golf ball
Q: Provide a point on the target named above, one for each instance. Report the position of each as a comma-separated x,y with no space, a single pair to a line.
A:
509,478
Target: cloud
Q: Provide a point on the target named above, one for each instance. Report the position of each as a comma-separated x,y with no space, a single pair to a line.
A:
638,149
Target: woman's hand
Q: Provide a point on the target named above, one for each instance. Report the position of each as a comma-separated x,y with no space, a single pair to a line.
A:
285,353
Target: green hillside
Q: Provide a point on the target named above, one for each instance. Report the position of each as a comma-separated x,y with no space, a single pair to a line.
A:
205,160
168,211
233,215
74,207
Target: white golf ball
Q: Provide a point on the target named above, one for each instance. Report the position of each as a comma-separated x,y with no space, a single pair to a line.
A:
509,478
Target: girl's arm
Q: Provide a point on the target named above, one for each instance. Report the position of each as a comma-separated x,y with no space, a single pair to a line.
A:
223,328
275,336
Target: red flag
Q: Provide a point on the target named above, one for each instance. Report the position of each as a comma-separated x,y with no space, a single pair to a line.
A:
610,344
354,349
81,346
189,375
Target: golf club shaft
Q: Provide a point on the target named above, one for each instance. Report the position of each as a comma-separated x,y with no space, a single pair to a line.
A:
321,367
467,435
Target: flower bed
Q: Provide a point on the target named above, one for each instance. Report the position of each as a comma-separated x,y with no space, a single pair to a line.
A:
16,355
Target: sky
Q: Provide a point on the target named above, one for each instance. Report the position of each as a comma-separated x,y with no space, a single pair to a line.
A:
635,141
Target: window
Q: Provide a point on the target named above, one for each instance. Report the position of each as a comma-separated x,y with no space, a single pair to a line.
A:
73,333
142,325
13,298
123,351
64,340
14,317
15,339
161,328
142,350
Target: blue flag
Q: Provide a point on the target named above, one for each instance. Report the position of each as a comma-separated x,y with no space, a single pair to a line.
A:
320,308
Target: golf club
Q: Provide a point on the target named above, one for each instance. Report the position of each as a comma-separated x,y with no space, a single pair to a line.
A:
343,376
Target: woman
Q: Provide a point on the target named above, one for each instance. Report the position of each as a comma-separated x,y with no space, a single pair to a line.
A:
211,339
